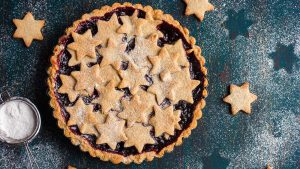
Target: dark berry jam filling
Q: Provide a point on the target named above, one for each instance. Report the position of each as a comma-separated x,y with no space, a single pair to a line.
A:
171,35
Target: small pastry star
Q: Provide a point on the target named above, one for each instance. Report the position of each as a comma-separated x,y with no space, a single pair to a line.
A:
108,29
83,116
138,140
164,63
178,49
269,167
68,87
109,97
134,111
113,54
165,120
133,78
162,90
133,25
87,78
188,86
144,47
240,98
84,45
28,29
111,132
198,7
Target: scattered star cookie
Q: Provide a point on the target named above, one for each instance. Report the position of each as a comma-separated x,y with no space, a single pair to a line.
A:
198,7
138,140
28,29
111,132
240,98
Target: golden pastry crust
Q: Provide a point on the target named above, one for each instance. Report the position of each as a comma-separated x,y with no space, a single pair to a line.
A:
82,143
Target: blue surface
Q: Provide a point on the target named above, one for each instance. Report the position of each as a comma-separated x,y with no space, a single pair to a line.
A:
242,40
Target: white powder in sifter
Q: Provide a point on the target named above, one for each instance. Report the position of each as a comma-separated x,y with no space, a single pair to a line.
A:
17,120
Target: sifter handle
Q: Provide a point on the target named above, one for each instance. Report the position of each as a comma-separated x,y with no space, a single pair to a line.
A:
30,156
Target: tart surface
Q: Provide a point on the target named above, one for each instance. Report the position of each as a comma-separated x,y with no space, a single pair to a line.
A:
127,83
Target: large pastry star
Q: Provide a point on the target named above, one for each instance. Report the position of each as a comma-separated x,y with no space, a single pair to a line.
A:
134,111
165,120
133,78
113,54
198,7
240,98
178,49
111,132
28,29
237,24
284,57
108,29
164,63
143,48
84,45
83,116
109,97
138,136
162,89
87,78
68,87
184,91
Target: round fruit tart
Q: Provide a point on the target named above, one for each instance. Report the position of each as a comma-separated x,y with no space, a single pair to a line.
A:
127,83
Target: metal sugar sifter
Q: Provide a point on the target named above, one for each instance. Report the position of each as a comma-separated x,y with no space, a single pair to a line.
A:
5,98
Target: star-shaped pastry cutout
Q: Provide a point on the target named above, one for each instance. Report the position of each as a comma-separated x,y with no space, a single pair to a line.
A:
108,30
28,29
285,58
133,78
83,116
184,91
237,24
109,97
132,25
198,7
113,54
165,120
111,132
151,101
87,78
269,167
138,140
143,48
240,98
108,73
178,49
164,63
162,89
68,87
74,61
134,111
84,45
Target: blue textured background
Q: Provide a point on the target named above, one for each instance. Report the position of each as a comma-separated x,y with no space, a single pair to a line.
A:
242,40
